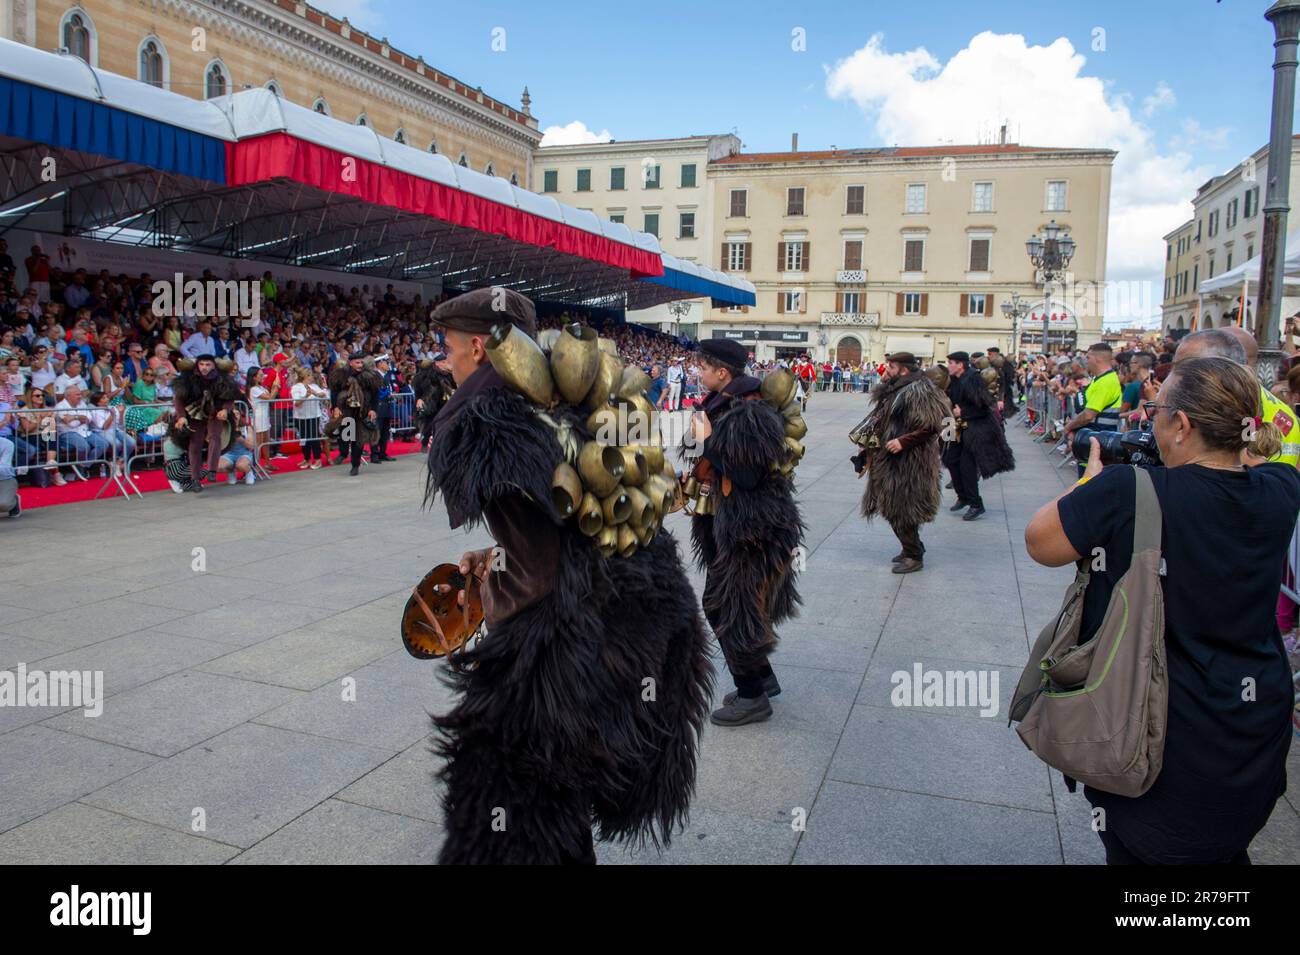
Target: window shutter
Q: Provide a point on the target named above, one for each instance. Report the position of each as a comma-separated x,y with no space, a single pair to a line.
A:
780,303
807,251
780,256
744,309
749,248
726,257
803,300
988,305
839,301
925,304
898,304
965,305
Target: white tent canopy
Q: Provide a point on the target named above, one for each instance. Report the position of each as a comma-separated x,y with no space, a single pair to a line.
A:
1231,280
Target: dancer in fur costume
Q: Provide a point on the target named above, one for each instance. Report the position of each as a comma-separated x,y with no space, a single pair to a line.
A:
747,546
433,388
984,448
204,401
584,702
354,400
900,455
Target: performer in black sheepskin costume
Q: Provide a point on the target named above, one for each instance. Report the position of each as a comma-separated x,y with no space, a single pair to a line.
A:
984,448
902,457
584,702
204,400
433,388
748,548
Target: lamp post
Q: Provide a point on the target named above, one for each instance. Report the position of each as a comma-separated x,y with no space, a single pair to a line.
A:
1050,251
1285,17
1016,309
678,310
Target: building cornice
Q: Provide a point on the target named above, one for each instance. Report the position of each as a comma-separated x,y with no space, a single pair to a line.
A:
919,163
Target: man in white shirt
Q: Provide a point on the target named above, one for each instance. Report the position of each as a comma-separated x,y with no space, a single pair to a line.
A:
675,385
42,374
201,342
76,442
70,377
246,357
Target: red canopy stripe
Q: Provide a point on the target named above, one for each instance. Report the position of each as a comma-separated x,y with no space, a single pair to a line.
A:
281,156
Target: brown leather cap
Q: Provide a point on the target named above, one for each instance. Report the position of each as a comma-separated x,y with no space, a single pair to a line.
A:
478,311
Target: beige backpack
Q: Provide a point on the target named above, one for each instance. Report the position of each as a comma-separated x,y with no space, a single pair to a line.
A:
1097,711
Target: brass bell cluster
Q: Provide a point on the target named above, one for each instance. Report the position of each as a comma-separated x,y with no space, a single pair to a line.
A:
778,390
618,487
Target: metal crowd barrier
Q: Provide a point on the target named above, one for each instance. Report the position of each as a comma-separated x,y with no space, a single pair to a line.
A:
39,443
401,414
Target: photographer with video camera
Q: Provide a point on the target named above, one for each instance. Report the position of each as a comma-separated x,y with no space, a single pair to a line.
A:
1102,399
1226,529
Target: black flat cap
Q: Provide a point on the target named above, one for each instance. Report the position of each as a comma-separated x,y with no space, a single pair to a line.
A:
478,311
960,356
725,351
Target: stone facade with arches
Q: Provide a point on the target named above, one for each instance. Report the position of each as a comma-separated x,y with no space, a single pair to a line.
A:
309,55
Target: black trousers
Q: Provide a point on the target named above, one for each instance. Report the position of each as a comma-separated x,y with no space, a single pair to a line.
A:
966,478
909,535
381,447
749,681
1119,854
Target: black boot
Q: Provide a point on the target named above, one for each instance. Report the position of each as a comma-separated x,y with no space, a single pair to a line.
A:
356,469
743,710
974,514
908,565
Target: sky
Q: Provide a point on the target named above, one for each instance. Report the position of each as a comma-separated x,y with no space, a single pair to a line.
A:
1181,88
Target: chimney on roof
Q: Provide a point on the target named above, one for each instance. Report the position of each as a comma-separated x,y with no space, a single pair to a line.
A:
794,142
1003,140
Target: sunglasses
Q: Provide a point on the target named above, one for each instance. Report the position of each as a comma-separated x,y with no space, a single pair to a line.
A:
1150,407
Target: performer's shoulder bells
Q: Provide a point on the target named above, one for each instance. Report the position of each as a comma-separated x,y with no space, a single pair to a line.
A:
586,703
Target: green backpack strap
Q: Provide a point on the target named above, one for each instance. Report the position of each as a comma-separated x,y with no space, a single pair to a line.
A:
1147,515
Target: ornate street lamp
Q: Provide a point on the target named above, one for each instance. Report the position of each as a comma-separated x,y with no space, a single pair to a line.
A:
1285,17
678,310
1016,309
1050,252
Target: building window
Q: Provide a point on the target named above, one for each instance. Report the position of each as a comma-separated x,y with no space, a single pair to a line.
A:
363,120
852,255
1229,265
1169,252
979,255
214,81
400,136
739,203
738,256
514,179
652,224
1196,278
1233,208
794,201
616,218
433,147
915,198
1056,195
491,170
617,179
551,181
852,302
914,255
791,301
977,304
322,107
1250,252
275,89
686,225
463,161
650,175
794,259
1252,201
79,35
1166,288
855,200
1214,223
1198,230
982,197
688,175
153,63
584,180
911,303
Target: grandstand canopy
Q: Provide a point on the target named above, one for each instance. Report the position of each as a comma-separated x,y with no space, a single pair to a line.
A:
252,176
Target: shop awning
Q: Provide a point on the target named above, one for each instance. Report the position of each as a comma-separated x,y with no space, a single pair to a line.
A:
703,281
922,346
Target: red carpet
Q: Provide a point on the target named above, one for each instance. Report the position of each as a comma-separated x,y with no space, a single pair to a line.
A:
156,480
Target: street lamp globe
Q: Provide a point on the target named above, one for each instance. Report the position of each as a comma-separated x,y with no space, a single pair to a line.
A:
1034,247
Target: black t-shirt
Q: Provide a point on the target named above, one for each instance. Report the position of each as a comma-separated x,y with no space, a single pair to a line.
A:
1225,539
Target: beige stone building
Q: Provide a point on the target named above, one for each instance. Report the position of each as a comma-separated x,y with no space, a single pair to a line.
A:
204,48
653,185
860,252
1225,231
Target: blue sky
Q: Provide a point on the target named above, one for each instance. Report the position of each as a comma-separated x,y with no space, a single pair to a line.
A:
1180,87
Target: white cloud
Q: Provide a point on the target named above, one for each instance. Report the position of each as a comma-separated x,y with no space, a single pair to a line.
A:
1194,134
575,134
1162,97
913,99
